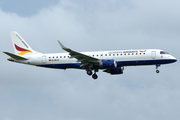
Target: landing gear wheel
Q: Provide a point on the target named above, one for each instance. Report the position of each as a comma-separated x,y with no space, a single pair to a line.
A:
94,76
157,65
89,72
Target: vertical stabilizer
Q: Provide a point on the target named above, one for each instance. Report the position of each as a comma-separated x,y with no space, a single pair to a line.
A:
20,46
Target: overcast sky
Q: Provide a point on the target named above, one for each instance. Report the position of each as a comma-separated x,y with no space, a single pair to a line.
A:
33,93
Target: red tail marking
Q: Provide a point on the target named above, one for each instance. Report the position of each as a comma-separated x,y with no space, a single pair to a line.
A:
19,48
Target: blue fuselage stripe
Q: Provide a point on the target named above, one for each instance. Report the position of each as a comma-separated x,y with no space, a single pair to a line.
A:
119,63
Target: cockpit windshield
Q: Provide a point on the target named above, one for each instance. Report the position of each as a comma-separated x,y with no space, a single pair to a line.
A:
163,52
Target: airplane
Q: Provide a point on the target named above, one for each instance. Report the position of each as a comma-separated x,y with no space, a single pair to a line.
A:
111,62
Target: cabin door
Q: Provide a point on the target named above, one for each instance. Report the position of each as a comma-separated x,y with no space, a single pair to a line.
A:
153,54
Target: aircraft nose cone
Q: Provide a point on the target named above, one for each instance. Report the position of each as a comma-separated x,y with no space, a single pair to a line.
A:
174,59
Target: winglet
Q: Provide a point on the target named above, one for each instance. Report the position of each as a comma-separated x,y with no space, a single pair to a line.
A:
62,46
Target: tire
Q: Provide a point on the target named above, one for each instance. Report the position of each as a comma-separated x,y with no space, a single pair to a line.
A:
89,72
94,76
157,71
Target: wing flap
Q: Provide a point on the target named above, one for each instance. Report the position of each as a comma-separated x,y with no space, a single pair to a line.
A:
15,56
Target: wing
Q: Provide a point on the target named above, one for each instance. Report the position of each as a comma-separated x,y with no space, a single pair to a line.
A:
84,59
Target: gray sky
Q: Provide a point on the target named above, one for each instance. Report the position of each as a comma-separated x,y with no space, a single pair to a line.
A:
33,93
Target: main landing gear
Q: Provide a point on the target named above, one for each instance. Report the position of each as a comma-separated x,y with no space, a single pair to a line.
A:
157,65
94,76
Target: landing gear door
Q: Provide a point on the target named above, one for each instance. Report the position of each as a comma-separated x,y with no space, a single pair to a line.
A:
153,54
43,59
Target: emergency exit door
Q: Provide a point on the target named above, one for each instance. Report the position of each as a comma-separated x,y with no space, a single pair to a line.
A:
43,59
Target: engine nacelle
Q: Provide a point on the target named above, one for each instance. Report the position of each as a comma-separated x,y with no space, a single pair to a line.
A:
115,71
108,64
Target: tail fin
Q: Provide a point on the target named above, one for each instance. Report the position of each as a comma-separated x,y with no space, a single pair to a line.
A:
20,46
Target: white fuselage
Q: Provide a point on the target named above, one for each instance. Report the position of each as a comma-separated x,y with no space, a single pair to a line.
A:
122,57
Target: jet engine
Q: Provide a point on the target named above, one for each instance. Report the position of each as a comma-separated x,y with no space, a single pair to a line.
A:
108,64
115,71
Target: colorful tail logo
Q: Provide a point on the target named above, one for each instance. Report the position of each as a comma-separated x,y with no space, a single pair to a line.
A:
23,51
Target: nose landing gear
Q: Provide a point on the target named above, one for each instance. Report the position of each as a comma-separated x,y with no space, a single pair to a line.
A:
157,66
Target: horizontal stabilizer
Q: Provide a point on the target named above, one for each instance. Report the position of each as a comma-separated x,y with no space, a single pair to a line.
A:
15,56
